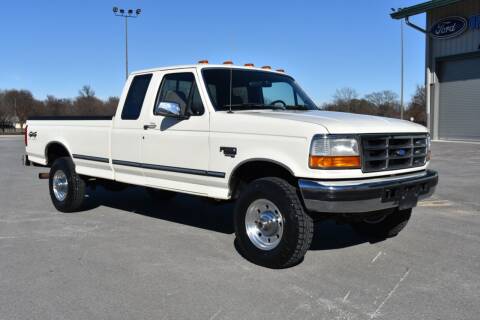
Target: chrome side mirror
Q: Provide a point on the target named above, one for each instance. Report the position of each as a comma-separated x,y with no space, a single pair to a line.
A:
168,109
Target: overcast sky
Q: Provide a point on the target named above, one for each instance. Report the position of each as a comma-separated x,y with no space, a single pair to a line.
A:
55,47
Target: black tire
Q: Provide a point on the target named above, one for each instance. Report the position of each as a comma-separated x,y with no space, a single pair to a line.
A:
297,227
75,190
389,227
161,195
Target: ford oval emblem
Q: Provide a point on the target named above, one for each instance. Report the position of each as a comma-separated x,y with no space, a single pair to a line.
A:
400,152
449,27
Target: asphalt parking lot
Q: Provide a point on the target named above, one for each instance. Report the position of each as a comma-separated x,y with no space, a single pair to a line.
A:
127,257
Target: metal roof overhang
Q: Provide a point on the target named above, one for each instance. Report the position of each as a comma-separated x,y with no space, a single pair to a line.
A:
421,8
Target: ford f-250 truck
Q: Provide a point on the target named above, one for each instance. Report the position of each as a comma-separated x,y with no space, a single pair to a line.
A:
246,134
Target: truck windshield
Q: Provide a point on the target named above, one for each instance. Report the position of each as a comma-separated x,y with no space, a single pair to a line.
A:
252,89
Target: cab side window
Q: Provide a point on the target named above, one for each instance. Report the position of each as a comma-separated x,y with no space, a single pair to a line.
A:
181,88
135,96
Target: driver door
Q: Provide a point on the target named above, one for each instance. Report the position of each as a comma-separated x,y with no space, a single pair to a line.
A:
175,151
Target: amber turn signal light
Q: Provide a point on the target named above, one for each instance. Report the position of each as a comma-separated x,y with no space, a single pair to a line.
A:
332,162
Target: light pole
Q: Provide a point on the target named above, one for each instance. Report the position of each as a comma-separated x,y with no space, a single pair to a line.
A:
401,71
119,12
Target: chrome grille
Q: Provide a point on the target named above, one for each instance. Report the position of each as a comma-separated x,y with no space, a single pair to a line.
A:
393,152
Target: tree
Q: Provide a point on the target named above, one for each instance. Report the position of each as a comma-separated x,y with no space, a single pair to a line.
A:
386,102
22,103
57,107
6,113
111,105
86,92
417,108
344,95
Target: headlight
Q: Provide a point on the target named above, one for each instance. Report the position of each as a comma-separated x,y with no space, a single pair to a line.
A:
334,152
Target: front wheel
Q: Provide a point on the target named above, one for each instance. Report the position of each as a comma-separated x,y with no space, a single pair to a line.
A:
67,188
271,226
386,226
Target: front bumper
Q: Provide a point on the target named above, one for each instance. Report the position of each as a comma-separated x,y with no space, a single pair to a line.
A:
355,196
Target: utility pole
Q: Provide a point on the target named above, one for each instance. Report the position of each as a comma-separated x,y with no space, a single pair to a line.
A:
401,69
126,14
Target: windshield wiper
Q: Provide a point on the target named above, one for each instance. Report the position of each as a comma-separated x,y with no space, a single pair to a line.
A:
255,105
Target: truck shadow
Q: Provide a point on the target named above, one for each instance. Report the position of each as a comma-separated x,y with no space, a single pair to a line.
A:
201,213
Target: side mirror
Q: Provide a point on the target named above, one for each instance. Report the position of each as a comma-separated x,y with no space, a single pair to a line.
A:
170,109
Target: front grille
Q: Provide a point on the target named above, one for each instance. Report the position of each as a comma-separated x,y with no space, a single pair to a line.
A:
393,152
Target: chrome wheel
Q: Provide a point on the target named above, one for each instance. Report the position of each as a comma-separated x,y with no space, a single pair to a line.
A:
60,185
264,224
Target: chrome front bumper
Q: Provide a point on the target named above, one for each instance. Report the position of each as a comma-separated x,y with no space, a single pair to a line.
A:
355,196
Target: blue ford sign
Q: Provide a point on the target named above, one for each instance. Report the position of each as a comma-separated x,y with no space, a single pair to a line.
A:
449,27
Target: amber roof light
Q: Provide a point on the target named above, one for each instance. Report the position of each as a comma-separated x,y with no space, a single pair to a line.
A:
228,62
203,61
249,65
267,67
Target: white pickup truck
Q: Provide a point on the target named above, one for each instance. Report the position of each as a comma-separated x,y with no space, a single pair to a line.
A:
246,134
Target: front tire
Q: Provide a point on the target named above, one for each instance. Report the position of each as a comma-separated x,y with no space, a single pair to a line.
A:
387,227
271,226
67,188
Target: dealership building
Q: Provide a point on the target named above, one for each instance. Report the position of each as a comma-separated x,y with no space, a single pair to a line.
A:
452,66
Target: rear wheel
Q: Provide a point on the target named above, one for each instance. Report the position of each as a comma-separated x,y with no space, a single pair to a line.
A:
386,226
271,227
67,188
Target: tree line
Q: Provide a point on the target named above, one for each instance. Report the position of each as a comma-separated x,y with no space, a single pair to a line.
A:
382,103
18,105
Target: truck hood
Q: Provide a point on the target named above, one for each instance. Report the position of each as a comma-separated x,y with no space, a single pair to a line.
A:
341,122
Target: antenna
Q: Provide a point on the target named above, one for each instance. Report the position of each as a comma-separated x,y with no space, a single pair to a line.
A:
231,89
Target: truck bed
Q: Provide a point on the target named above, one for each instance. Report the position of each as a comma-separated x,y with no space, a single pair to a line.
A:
84,136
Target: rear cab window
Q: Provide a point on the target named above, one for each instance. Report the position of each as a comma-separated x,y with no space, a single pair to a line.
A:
135,97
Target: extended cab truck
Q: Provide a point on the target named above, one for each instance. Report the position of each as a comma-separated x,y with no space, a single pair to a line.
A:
246,134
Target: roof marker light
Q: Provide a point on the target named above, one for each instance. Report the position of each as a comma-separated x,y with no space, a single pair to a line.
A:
228,62
249,65
280,70
267,67
203,62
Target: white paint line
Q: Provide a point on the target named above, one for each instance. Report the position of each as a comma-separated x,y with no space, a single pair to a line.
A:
346,296
434,203
376,312
216,314
376,257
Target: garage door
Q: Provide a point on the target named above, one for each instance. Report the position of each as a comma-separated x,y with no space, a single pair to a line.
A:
459,99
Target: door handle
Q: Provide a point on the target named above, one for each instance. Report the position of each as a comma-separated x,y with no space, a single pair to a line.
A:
149,126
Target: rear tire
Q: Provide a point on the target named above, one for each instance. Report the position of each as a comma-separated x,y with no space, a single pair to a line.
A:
271,226
390,226
67,188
